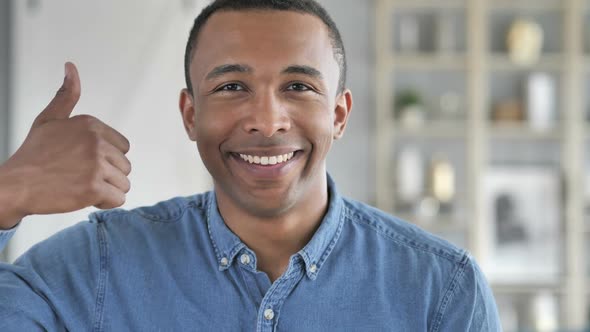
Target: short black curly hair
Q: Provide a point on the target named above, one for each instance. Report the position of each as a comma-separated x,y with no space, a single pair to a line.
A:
302,6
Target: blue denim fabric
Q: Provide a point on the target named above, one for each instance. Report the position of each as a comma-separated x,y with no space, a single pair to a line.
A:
176,266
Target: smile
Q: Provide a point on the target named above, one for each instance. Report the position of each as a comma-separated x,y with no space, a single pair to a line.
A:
267,160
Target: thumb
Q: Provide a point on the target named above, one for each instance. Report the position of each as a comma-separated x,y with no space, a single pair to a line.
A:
62,105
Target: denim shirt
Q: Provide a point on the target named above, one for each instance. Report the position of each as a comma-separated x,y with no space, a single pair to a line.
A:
176,266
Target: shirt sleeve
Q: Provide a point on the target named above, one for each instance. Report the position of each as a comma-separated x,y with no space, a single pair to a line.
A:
12,317
22,305
6,235
468,303
49,287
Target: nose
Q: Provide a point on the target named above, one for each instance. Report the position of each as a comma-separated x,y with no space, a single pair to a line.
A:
267,116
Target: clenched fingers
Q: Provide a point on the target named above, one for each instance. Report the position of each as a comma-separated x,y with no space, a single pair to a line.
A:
116,138
116,158
104,131
110,197
115,177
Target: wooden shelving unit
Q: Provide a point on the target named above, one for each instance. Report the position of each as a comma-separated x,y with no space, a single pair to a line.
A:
478,65
432,131
427,62
428,4
525,5
548,62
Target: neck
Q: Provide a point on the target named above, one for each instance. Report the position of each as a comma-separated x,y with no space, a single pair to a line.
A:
275,239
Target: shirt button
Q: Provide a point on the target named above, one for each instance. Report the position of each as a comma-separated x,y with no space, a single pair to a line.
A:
269,314
313,268
224,261
245,259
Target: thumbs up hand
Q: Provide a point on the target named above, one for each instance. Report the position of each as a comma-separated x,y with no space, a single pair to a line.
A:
65,163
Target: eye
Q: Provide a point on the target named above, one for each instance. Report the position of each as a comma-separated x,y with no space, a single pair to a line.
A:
231,87
298,87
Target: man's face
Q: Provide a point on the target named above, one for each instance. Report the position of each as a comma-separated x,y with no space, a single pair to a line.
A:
265,109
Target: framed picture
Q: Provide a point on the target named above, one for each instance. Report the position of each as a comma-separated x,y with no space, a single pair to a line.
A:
523,212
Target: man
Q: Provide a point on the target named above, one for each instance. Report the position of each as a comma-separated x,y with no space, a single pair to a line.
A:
273,247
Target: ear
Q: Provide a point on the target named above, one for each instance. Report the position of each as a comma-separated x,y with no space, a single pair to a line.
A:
187,111
341,112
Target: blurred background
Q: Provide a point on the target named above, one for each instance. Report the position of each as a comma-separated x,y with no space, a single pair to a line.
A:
470,120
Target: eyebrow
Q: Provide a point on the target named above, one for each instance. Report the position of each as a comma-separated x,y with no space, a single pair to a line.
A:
225,69
239,68
305,70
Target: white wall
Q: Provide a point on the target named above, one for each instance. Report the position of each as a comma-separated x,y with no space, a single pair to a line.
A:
4,82
4,76
130,58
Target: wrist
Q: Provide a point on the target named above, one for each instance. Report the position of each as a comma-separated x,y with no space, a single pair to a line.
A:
12,197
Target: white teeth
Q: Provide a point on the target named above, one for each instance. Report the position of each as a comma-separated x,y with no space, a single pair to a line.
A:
267,160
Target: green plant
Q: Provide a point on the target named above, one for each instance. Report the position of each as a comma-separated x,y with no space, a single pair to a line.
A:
405,98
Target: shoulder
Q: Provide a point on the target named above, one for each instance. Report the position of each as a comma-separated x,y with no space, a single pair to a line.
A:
463,299
87,240
157,228
402,233
168,211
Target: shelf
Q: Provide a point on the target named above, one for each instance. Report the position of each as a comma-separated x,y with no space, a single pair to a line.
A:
429,4
428,61
538,5
432,131
526,288
547,62
530,287
522,132
440,224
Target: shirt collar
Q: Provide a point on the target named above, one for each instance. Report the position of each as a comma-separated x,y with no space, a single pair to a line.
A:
320,246
227,245
225,242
